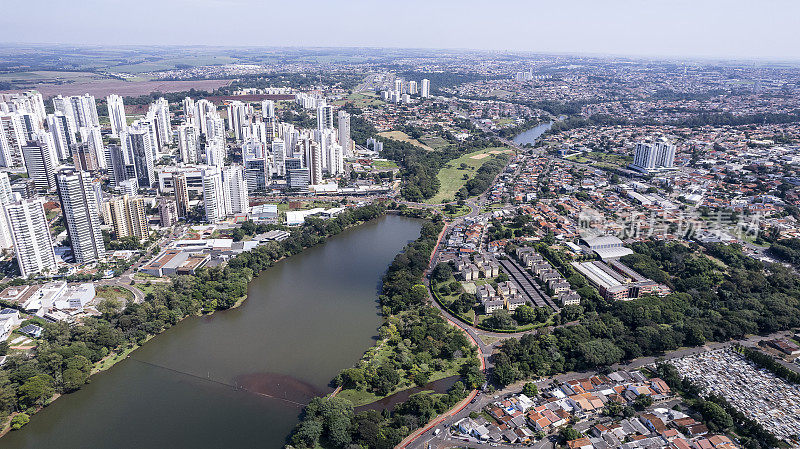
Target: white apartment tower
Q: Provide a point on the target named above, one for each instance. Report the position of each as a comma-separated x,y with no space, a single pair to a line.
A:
81,215
41,161
215,141
344,133
654,156
188,143
235,184
116,114
214,195
425,88
31,237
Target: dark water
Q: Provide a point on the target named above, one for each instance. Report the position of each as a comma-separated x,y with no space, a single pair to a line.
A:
237,378
389,402
532,134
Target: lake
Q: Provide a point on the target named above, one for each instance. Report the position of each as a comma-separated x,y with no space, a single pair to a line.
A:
532,134
237,378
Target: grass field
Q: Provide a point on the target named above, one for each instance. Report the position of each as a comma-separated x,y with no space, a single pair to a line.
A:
434,142
384,165
403,137
120,294
451,176
360,100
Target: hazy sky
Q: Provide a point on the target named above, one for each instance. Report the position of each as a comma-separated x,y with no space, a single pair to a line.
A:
763,29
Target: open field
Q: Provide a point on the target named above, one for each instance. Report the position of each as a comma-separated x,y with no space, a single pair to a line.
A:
451,176
360,100
434,142
403,137
102,87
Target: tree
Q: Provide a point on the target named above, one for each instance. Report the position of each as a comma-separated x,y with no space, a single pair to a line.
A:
569,433
500,319
613,408
643,401
351,377
36,391
525,314
19,420
530,390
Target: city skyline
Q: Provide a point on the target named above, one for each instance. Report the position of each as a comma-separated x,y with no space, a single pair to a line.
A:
709,29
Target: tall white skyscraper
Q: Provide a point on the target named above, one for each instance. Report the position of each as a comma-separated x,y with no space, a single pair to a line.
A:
215,141
41,161
214,195
412,88
235,184
6,197
279,156
139,145
81,215
268,109
30,234
92,137
344,133
116,114
237,119
58,126
203,108
425,90
324,116
315,164
398,85
189,110
85,110
188,143
654,156
12,137
159,115
64,106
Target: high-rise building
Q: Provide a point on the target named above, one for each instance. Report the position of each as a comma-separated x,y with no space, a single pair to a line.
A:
189,111
315,165
181,188
6,197
279,156
85,110
81,215
268,109
324,116
140,147
214,195
58,126
12,137
215,141
412,88
127,215
344,133
63,105
425,89
235,185
116,114
167,212
41,161
92,140
188,143
31,236
159,115
237,119
656,155
398,85
203,108
297,178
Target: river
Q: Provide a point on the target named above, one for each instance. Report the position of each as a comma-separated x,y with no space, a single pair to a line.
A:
305,319
530,136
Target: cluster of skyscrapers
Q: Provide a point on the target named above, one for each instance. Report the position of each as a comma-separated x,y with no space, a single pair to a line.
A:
654,156
404,91
98,172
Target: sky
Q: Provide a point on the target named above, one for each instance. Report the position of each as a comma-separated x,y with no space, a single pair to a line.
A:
762,29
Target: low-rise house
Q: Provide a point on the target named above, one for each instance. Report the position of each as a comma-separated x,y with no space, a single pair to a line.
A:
470,272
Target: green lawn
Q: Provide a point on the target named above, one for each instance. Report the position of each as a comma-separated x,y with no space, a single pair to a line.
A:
384,165
460,212
451,176
122,295
434,142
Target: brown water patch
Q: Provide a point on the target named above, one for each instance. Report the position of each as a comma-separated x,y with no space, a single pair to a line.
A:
279,386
